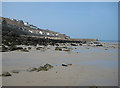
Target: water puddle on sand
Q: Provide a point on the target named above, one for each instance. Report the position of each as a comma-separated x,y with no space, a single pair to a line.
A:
89,49
104,63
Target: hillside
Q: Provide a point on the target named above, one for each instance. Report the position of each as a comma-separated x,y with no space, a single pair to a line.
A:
24,28
17,32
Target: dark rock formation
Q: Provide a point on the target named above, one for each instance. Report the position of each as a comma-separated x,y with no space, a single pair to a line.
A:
5,74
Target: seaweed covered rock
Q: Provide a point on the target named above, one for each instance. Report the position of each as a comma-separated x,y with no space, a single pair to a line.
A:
58,48
64,65
29,48
12,47
38,48
5,74
74,44
42,68
4,49
25,50
46,67
67,49
15,71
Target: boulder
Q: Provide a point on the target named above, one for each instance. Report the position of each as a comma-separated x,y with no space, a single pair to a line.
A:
4,49
5,74
15,71
66,50
29,48
58,48
106,49
38,48
25,50
42,68
66,65
99,45
74,44
46,67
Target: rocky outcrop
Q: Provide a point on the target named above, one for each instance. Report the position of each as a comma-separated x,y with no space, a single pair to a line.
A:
5,74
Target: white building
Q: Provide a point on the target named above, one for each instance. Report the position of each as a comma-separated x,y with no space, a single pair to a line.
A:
26,23
56,34
41,32
48,33
30,31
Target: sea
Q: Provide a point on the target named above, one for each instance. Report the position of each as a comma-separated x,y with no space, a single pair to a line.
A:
110,41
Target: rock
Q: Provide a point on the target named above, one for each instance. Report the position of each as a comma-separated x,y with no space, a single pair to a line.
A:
15,71
48,48
93,87
4,49
106,49
42,68
12,48
19,48
25,50
31,69
58,48
87,48
66,50
69,64
99,45
57,44
66,65
38,48
46,67
80,44
65,47
73,44
29,48
5,74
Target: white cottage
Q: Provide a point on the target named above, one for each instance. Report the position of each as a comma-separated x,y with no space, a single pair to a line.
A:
41,32
30,31
48,33
26,23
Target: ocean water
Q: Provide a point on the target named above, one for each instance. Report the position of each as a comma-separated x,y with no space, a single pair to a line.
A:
110,41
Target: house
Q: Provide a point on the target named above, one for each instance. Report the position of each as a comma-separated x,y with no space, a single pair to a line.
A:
13,19
26,23
30,31
57,34
48,33
41,32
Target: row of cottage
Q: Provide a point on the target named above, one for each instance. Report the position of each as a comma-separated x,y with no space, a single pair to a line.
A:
25,26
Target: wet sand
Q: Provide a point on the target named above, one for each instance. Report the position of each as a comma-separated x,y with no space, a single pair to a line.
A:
90,67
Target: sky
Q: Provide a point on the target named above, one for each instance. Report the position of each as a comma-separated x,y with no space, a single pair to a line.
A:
75,19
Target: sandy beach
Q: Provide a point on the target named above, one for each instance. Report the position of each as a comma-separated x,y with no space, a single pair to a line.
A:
91,66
